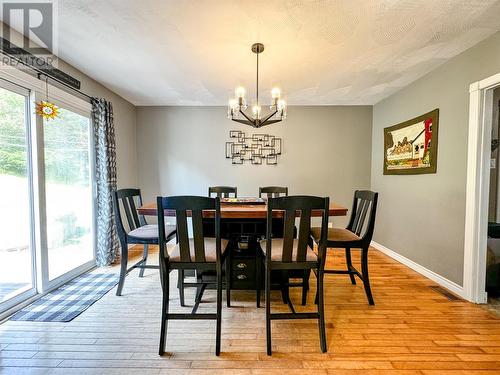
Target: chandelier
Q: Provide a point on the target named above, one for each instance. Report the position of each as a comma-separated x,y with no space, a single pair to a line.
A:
238,105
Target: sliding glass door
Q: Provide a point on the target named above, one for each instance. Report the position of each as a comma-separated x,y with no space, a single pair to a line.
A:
68,191
47,193
16,219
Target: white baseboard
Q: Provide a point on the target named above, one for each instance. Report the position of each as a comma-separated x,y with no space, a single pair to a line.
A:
444,282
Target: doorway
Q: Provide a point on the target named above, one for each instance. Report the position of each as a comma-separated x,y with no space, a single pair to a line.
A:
482,157
493,236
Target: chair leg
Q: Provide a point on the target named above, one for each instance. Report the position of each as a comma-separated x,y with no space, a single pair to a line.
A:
199,295
123,268
316,299
164,313
180,285
349,264
305,286
321,312
199,289
366,278
285,290
228,280
219,312
268,310
258,270
144,260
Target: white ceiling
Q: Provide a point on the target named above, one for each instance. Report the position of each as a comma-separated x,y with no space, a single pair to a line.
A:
194,52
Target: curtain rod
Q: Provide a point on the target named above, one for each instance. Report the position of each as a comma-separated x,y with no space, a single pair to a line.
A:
11,50
40,74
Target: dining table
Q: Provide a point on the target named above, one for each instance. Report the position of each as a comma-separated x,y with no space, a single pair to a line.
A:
245,224
242,211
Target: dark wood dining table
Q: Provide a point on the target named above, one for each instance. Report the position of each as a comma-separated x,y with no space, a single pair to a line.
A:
240,221
242,211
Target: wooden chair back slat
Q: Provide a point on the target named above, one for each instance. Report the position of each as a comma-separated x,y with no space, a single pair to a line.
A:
356,212
223,191
364,209
133,210
288,234
199,241
126,207
183,235
304,233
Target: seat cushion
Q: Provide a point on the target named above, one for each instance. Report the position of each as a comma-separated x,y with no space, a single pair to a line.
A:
210,250
150,231
277,250
335,234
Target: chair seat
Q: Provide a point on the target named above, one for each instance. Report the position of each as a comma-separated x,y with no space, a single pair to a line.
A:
210,250
335,235
150,231
277,250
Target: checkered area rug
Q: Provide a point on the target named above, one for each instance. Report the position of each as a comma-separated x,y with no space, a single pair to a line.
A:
70,300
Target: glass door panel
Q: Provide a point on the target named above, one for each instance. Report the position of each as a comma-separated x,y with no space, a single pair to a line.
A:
68,189
16,260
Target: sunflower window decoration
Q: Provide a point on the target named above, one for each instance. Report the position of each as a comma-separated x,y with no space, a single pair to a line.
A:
46,109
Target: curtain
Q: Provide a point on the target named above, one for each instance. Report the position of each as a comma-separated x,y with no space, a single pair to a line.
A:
105,164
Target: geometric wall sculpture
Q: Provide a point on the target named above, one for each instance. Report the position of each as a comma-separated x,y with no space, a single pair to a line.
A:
256,148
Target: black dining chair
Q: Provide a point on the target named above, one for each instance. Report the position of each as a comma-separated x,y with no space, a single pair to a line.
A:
139,231
357,235
276,192
289,253
199,253
273,191
223,191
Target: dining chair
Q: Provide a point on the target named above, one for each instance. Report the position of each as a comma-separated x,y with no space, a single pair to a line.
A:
139,231
223,191
289,253
199,253
357,235
273,191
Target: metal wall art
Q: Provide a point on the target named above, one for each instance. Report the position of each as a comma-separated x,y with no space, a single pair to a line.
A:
256,148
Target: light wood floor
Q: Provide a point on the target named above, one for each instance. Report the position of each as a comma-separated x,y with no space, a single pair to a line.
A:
412,329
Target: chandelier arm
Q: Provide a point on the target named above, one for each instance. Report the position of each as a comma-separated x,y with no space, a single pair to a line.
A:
269,122
269,116
246,116
243,121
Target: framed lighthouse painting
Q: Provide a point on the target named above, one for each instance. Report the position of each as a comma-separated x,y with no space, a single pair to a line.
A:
411,147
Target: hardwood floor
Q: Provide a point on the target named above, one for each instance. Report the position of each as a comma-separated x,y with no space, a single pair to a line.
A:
412,329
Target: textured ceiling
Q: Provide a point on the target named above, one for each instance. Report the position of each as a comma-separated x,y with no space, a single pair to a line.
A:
181,52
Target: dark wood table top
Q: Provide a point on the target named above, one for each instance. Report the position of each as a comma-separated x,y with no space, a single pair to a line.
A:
242,211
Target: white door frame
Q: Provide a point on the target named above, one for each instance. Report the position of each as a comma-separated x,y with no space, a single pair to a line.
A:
477,191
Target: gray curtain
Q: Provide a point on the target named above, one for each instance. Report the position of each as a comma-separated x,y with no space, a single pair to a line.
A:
105,156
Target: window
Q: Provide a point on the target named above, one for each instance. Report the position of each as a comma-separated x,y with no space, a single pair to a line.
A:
16,246
68,192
